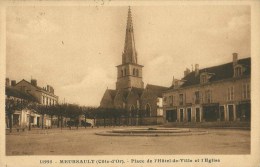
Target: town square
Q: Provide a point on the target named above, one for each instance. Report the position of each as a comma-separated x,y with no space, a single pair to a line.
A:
86,142
128,80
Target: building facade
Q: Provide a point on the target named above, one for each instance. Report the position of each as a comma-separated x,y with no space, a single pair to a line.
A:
44,95
143,104
219,93
23,117
30,92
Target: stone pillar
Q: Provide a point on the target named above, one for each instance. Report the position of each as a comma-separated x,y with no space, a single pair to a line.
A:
226,112
193,114
235,112
19,119
12,120
185,115
28,120
178,115
201,114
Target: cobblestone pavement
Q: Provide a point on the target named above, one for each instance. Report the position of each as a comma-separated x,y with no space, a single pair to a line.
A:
85,142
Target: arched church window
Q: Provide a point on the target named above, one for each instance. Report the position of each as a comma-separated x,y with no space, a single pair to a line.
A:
137,72
122,73
147,110
134,72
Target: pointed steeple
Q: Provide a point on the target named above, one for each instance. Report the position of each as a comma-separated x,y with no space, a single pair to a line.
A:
129,73
129,54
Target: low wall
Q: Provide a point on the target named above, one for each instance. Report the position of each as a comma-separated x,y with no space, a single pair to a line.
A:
131,121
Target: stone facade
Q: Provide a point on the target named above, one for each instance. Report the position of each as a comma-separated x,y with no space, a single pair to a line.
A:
141,103
138,102
129,73
220,93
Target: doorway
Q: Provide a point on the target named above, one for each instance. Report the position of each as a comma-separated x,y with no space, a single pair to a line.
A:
181,115
210,113
231,112
171,115
38,121
197,114
221,113
189,114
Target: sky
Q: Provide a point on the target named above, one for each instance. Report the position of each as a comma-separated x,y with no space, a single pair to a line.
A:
75,48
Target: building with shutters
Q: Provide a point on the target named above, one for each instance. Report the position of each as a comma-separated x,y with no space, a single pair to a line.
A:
30,91
213,94
44,95
24,117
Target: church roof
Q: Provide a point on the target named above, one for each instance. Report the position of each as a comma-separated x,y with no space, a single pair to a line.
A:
138,91
112,93
121,94
157,90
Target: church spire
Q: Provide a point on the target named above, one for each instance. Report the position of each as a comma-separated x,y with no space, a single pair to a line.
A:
129,73
129,54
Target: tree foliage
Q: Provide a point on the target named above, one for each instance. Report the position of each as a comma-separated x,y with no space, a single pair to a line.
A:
71,111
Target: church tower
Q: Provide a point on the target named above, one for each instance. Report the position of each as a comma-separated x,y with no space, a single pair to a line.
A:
129,73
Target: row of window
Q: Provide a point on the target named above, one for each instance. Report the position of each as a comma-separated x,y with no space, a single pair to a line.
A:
48,101
245,92
135,72
206,96
204,77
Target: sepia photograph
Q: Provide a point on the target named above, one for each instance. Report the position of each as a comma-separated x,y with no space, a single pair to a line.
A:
102,84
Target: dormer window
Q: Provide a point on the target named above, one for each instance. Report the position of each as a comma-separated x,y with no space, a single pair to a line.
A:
203,78
238,71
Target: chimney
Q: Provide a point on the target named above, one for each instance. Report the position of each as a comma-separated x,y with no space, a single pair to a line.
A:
52,90
235,55
7,82
186,72
173,81
34,82
48,88
196,70
13,82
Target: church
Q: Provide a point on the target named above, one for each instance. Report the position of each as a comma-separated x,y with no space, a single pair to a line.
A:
130,93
